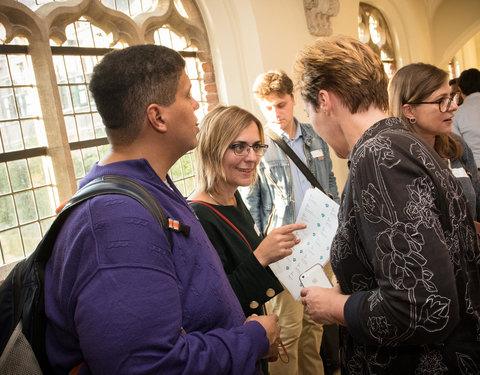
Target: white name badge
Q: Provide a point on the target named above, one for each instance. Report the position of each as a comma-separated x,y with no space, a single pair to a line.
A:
459,172
318,154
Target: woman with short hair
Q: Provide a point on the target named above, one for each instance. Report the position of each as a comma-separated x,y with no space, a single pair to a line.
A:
406,253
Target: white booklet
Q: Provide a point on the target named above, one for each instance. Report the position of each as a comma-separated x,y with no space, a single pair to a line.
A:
319,213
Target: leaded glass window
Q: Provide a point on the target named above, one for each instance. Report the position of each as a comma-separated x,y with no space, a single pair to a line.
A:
51,133
373,30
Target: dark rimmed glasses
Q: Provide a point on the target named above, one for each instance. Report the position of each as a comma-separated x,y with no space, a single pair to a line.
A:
243,148
444,103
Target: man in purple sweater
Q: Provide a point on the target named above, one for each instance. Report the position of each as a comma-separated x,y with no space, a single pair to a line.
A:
119,298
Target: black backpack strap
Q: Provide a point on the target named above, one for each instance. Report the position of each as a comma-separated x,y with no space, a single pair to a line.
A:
27,276
108,184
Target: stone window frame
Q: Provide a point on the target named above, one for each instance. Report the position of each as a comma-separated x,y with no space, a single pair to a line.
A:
384,47
48,22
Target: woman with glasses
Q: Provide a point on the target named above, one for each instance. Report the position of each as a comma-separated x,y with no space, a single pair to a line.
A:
421,96
230,145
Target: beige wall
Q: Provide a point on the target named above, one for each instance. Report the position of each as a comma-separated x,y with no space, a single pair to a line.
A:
251,36
469,55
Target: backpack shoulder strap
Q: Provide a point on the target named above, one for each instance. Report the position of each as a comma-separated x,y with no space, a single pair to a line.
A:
22,291
108,184
111,184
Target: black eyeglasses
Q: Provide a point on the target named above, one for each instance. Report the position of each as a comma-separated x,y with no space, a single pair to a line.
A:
243,148
444,103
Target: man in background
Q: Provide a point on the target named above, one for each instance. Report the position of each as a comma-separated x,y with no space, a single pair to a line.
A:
275,201
466,121
453,83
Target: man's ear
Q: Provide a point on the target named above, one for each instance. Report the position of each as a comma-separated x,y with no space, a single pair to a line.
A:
154,116
408,111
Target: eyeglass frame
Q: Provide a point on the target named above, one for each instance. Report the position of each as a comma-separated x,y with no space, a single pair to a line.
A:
262,148
453,98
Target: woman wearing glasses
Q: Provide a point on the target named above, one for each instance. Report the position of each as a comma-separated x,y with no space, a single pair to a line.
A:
230,145
421,96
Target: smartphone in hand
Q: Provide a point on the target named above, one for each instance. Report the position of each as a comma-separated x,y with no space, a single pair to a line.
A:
315,276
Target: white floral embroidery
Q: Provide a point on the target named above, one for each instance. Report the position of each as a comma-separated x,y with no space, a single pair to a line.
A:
404,241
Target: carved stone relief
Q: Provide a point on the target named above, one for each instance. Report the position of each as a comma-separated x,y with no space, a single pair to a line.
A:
318,13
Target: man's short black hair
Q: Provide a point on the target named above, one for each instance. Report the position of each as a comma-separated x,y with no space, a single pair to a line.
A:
127,81
469,81
452,81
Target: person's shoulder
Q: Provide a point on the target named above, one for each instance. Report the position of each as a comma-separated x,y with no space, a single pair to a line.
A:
117,206
202,209
387,137
112,227
307,127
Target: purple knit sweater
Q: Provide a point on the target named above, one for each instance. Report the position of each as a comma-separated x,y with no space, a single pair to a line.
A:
120,300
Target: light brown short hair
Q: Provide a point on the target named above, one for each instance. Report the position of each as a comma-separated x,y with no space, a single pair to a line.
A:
345,66
272,82
217,131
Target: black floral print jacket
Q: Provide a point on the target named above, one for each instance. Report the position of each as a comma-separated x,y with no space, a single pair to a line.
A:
406,250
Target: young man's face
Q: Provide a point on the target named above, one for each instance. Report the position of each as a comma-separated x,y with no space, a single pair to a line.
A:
278,109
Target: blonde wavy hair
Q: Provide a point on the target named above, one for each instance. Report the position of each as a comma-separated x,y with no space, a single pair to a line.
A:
218,129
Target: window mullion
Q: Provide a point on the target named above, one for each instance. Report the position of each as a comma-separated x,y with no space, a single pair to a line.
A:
51,106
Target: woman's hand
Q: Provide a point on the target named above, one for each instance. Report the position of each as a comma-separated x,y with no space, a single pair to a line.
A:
324,305
278,244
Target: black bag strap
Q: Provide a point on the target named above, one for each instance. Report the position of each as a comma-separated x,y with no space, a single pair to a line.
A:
23,272
224,218
292,155
108,184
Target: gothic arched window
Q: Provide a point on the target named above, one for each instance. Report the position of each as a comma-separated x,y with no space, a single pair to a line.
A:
373,30
50,131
